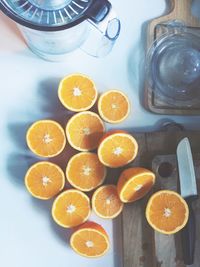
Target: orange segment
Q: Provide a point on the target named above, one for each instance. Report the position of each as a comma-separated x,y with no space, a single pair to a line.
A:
77,92
117,148
90,240
71,208
44,180
85,172
106,202
84,131
46,138
167,212
113,106
135,183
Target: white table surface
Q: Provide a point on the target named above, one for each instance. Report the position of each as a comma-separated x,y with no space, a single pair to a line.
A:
28,236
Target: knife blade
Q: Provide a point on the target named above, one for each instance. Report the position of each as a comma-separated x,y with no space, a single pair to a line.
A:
188,189
188,186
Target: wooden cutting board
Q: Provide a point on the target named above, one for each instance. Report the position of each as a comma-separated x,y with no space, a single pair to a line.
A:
179,10
142,247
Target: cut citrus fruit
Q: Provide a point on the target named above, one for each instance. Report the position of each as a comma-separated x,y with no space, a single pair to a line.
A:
71,208
85,172
84,130
46,138
134,183
167,212
44,180
106,202
113,106
117,148
90,240
77,92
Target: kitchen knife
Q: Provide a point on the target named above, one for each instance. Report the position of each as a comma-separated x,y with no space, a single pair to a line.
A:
188,188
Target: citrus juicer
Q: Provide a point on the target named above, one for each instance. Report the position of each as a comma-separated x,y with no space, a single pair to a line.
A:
53,28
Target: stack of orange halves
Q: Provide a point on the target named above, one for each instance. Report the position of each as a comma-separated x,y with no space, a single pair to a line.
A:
86,171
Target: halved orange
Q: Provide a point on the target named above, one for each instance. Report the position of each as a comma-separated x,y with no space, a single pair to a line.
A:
167,212
113,106
85,172
84,130
106,202
134,183
44,180
90,240
46,138
117,148
77,92
71,208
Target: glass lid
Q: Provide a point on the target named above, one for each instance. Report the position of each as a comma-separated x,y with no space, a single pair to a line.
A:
173,67
46,14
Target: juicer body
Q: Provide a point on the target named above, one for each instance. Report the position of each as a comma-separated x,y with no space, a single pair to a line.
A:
52,31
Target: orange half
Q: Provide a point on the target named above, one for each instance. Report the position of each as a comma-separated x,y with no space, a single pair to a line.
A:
134,183
84,131
44,180
90,240
167,212
71,208
106,202
85,172
77,92
117,149
113,106
46,138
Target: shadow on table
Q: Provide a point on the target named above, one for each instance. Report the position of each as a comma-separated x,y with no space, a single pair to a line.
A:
50,103
45,207
17,166
17,132
22,158
50,108
19,161
61,233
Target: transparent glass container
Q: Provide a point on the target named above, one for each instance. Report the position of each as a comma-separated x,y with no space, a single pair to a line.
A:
173,66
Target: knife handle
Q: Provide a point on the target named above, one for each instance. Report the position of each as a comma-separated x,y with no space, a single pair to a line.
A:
188,235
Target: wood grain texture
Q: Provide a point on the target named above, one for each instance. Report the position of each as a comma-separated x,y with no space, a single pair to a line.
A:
180,10
142,247
137,236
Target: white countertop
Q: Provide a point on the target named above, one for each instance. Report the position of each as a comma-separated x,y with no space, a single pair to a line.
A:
28,86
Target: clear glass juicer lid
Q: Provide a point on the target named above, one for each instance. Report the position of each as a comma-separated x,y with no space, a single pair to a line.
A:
47,14
173,67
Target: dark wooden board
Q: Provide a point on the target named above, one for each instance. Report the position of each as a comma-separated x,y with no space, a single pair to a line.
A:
142,247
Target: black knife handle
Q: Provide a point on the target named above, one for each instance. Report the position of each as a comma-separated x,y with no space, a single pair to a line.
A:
188,236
